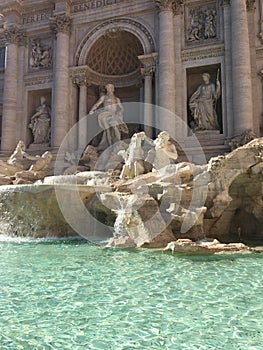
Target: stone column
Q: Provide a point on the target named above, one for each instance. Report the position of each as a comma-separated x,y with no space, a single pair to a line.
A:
241,68
166,66
148,69
166,54
227,86
182,127
253,60
81,82
61,25
13,37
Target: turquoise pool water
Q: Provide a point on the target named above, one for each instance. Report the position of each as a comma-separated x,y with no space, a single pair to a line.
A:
69,295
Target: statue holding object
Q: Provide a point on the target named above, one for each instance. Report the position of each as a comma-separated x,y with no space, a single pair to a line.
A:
202,104
40,123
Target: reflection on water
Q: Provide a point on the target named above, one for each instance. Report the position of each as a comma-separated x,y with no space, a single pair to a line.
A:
60,294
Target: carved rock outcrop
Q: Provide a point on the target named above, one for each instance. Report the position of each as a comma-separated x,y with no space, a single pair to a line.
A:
222,200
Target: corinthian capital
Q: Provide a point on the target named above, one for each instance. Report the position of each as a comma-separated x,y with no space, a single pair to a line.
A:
148,63
14,35
80,80
61,23
251,5
169,5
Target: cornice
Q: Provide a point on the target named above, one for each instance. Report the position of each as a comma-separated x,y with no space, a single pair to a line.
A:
203,53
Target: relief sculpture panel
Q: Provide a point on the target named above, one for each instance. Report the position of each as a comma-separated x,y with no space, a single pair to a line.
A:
201,23
40,54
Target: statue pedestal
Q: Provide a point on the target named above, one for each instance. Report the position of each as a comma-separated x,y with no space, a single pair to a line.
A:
212,144
39,147
209,137
207,132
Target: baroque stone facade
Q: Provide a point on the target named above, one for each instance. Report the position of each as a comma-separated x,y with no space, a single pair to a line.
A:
153,51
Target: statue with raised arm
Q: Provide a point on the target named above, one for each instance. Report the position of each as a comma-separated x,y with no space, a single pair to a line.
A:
40,123
111,117
202,104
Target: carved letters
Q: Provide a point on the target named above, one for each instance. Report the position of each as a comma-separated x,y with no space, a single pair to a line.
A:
94,4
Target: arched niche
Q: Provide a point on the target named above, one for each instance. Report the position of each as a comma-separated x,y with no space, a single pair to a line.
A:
119,24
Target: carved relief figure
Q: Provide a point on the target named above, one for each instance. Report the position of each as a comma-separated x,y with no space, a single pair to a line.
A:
40,56
202,104
111,117
195,27
210,29
40,123
202,24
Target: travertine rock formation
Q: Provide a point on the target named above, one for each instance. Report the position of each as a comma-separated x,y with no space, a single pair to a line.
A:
222,199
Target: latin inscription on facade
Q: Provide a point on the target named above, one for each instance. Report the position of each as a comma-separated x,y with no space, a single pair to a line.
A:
94,4
38,17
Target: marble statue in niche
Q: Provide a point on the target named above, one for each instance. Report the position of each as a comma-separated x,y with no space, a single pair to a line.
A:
40,55
110,118
202,104
40,123
202,24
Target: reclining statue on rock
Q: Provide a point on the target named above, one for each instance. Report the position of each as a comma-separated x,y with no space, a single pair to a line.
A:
37,171
162,153
18,161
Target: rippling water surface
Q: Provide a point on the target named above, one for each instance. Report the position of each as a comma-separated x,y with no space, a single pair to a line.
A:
70,295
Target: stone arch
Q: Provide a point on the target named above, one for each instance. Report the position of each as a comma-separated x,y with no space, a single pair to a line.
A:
126,24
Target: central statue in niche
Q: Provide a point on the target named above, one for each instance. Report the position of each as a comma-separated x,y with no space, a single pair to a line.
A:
111,117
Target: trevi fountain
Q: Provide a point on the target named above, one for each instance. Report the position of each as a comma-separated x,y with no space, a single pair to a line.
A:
86,237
